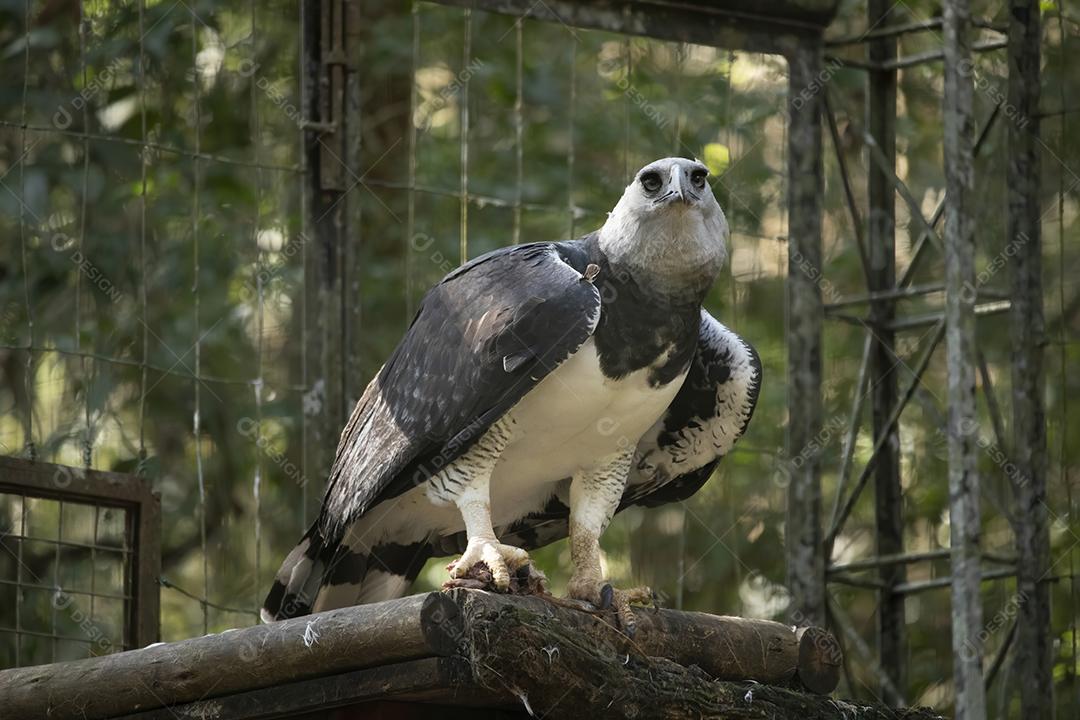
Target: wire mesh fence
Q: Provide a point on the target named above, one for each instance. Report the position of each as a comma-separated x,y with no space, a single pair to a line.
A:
161,275
156,268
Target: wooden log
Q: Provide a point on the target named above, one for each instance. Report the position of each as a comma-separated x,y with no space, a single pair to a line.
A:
727,648
820,660
507,643
558,665
214,665
428,680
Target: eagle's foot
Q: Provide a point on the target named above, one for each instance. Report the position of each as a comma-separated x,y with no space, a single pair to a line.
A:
603,596
500,560
529,580
526,580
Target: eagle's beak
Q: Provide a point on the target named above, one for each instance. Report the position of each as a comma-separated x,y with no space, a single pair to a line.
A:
679,191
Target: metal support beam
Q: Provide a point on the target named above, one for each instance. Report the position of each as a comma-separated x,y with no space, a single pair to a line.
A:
964,514
774,26
805,559
354,230
1032,655
326,107
881,233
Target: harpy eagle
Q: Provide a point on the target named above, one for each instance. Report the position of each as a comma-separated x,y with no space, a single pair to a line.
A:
540,389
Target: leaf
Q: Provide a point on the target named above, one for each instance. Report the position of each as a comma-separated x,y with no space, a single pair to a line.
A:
717,158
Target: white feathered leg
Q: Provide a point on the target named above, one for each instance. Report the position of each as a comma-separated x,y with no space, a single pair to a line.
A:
467,484
594,497
483,546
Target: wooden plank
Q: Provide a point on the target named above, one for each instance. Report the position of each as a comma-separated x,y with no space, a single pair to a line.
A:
62,482
421,626
146,569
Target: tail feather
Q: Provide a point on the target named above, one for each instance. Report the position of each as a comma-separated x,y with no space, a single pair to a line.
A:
320,575
297,582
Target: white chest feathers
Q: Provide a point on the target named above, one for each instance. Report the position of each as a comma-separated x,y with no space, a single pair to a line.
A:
576,416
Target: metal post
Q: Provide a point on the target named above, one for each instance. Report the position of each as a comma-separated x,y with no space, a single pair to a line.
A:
964,516
1032,656
881,233
805,556
325,68
352,237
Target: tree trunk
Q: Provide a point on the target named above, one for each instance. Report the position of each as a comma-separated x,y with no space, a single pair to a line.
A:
964,496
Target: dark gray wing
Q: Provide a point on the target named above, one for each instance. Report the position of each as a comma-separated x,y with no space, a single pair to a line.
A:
482,339
679,453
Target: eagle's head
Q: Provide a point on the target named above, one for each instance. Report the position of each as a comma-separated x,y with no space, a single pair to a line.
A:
668,229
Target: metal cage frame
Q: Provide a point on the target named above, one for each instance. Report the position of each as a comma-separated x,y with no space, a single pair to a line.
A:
795,30
142,507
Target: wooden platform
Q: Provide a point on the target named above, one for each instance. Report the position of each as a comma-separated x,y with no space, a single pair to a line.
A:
445,654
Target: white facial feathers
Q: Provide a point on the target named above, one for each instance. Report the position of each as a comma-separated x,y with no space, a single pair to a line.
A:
667,227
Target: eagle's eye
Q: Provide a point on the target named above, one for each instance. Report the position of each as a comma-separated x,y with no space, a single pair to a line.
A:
651,181
697,178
